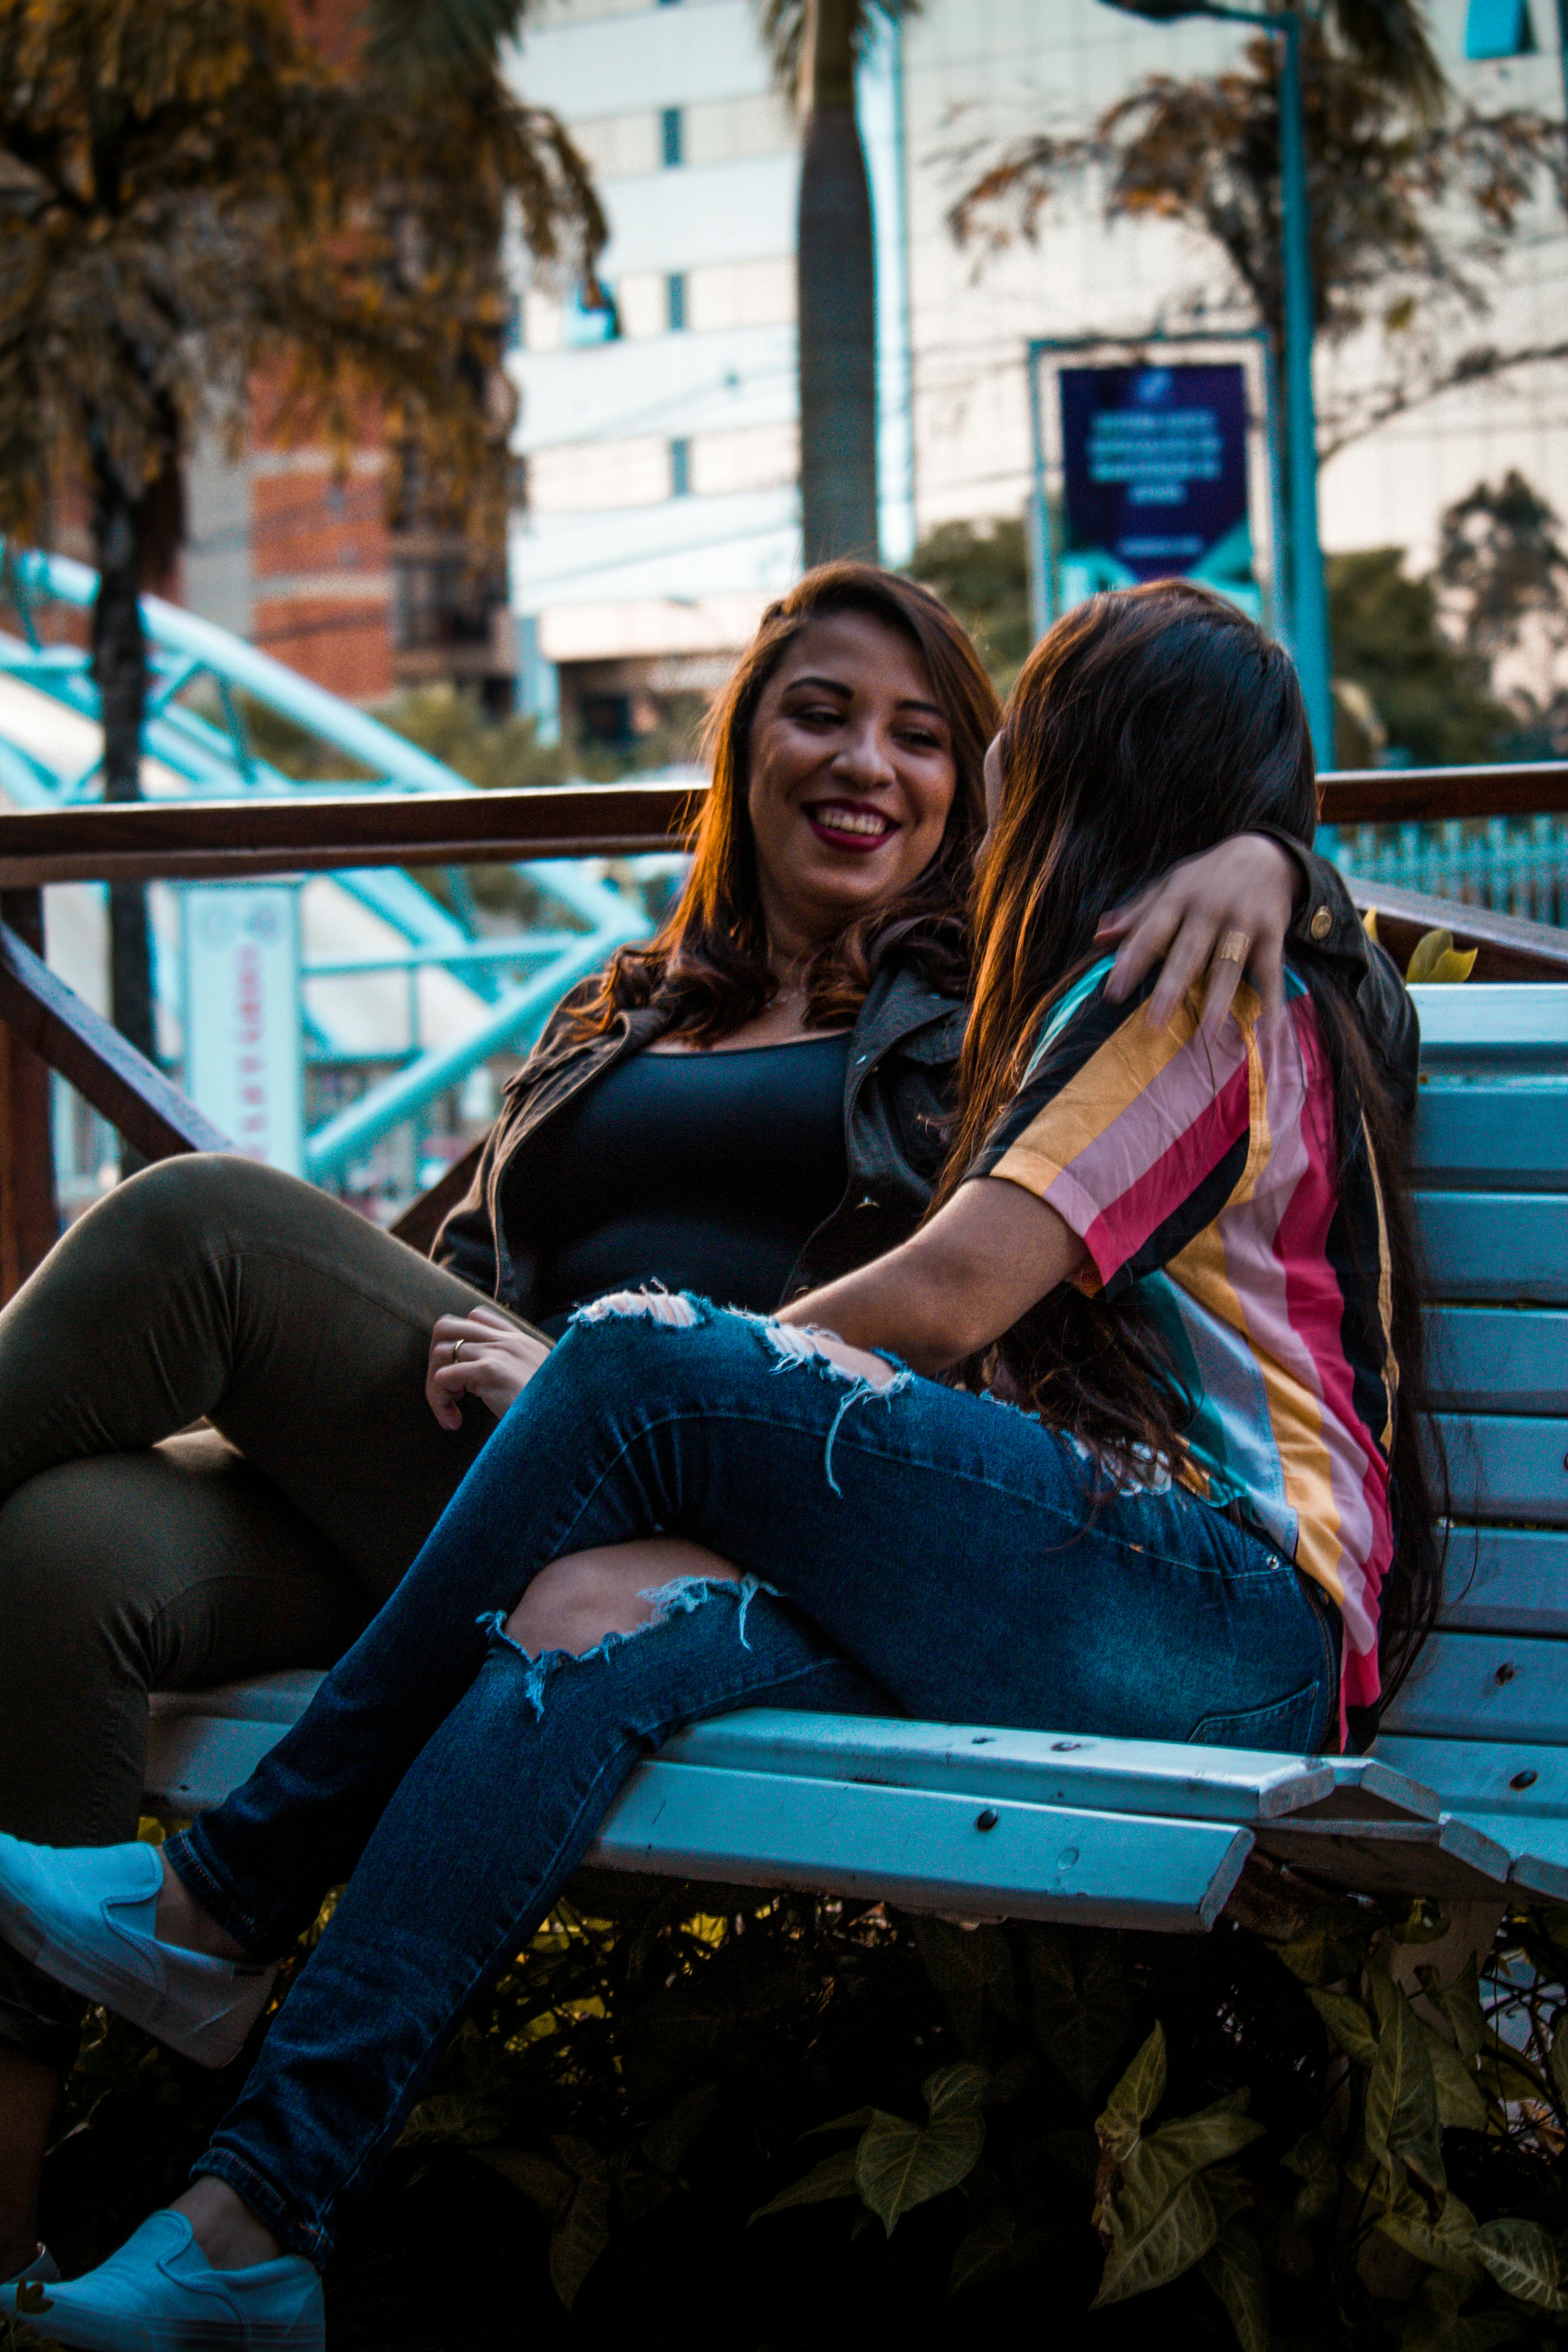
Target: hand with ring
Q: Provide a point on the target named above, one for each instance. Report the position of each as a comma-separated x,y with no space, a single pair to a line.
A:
1226,911
480,1354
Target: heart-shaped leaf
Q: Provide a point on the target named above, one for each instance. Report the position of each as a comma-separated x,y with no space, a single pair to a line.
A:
833,2177
1447,2243
1558,2065
1401,2094
955,2090
1160,2245
1459,2006
1233,2268
1524,2261
1134,2099
992,2249
1347,2023
899,2165
551,2188
1313,2164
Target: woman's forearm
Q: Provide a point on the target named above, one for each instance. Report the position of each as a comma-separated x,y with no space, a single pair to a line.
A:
957,1285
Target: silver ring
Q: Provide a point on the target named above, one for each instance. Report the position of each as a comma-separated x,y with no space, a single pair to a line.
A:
457,1350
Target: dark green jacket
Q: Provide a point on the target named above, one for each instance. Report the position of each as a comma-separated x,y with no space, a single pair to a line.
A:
897,1098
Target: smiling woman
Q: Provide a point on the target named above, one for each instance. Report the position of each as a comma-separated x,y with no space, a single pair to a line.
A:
750,1105
846,803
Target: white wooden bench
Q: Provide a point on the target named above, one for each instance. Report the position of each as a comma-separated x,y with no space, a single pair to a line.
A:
1466,1794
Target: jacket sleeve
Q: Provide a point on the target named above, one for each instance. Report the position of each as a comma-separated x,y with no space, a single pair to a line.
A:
1326,926
465,1242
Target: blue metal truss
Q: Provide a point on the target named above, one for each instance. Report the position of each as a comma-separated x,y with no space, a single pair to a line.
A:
206,757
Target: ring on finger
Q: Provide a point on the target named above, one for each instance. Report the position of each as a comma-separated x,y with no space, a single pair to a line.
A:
457,1350
1233,948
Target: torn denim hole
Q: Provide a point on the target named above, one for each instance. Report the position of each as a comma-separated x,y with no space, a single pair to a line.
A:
677,1308
676,1599
796,1345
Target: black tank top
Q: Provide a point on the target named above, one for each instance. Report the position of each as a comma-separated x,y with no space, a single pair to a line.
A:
702,1171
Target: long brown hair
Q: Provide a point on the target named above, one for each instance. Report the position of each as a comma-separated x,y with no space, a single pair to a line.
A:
1149,725
708,964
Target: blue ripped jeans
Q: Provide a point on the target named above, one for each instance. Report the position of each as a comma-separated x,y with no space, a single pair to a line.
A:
953,1548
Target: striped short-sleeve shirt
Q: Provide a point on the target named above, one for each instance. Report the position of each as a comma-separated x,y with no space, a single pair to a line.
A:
1205,1169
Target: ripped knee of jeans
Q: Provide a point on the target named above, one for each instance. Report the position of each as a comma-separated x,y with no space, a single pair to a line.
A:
865,1375
677,1308
678,1598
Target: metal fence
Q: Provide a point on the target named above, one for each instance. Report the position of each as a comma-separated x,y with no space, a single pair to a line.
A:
1513,866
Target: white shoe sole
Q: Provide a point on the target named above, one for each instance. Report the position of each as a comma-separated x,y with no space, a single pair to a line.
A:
103,2331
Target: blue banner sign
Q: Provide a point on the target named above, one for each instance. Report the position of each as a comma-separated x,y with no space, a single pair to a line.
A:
1154,478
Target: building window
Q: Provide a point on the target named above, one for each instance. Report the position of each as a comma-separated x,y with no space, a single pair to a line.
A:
679,470
669,129
674,298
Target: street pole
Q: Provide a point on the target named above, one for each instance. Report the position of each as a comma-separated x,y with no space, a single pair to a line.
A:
1308,599
1308,603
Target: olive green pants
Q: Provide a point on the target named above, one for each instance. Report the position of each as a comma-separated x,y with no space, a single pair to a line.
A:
134,1559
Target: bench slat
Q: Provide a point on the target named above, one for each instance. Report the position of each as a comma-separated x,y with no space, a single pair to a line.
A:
1478,1775
1507,1466
1506,1580
196,1760
1485,1687
1486,1359
1493,1137
1040,1768
1489,1024
922,1848
1537,1850
1504,1245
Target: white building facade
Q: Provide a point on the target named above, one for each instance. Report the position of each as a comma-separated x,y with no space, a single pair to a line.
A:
659,440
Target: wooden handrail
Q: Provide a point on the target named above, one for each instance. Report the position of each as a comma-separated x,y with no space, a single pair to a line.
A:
236,841
121,1084
309,833
1428,795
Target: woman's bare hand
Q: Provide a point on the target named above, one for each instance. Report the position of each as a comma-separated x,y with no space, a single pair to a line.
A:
1248,885
479,1354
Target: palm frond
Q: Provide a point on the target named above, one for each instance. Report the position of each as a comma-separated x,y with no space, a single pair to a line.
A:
782,24
442,35
1390,39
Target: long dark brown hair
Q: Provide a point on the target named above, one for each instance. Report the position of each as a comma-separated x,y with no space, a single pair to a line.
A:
1149,725
708,964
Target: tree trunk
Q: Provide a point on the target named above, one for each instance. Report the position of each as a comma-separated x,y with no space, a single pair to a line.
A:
120,665
835,276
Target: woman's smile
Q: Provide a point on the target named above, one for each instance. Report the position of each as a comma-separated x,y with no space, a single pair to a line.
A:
852,777
856,827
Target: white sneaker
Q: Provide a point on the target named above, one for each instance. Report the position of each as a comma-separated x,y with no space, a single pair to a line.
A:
159,2293
39,2272
87,1916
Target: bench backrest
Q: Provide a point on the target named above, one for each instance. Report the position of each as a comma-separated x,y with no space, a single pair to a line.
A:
1491,1176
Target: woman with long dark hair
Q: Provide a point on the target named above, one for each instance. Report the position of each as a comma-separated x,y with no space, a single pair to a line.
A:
1180,1246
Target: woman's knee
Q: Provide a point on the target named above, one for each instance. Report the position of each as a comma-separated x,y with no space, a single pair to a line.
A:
578,1601
182,1202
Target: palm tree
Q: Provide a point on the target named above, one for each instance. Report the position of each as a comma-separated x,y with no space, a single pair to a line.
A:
815,45
191,194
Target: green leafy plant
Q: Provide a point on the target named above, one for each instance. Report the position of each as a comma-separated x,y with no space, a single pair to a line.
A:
686,2110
